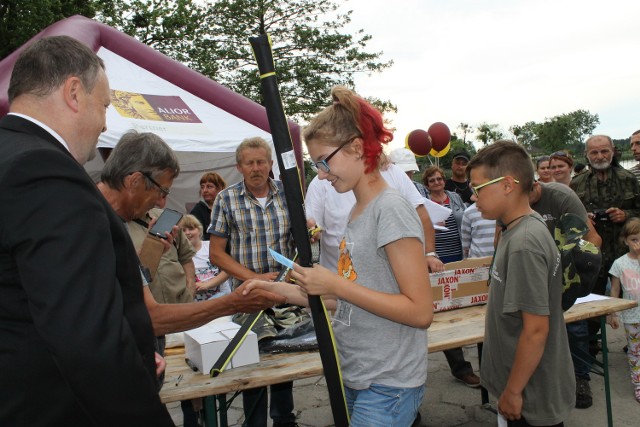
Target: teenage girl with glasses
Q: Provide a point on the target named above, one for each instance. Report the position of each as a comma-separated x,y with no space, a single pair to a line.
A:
381,295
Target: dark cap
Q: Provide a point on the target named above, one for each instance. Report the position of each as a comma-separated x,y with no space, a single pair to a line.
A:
462,154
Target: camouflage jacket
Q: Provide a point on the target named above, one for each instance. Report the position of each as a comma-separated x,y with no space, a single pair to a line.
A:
620,190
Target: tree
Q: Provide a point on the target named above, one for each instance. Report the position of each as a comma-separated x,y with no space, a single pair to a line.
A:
488,132
444,162
465,128
22,19
310,51
525,134
565,131
176,28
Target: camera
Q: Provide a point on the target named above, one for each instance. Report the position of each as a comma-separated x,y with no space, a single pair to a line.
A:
600,215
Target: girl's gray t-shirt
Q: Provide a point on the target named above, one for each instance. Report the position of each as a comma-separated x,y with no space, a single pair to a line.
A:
373,349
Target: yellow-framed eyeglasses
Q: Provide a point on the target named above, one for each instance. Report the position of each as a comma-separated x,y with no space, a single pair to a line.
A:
476,189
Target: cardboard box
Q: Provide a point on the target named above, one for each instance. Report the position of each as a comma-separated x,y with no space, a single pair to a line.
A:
462,284
204,345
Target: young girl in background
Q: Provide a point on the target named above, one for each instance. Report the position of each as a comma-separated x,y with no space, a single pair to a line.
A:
211,282
625,273
381,295
543,170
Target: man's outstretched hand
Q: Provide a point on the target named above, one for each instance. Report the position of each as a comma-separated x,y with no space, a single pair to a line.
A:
256,300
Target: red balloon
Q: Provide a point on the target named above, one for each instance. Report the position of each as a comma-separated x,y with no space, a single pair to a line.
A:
419,142
440,135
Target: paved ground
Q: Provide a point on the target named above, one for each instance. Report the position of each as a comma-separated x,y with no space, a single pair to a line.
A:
448,403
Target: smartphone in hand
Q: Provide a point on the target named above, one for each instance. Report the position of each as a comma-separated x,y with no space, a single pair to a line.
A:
165,223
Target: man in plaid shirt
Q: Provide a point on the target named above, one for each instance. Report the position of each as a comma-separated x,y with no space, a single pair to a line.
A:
247,218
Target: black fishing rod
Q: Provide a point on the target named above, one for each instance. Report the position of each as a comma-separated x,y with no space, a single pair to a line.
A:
290,177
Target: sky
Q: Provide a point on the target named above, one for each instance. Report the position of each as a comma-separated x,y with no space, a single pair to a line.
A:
503,61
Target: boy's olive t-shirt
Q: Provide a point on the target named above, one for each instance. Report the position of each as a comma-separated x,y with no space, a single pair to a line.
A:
526,277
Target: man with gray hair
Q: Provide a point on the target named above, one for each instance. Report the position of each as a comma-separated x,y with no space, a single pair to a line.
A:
147,156
611,195
139,172
74,330
250,217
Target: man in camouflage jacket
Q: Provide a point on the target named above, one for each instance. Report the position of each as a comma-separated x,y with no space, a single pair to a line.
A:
611,195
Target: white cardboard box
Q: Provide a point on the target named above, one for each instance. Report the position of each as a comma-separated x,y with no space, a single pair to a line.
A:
204,345
462,284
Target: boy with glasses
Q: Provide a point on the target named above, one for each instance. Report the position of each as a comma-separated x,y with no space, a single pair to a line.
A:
525,360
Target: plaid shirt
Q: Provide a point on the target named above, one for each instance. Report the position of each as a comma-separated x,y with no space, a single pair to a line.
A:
251,229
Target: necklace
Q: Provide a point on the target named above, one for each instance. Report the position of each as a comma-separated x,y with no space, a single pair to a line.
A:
505,226
440,200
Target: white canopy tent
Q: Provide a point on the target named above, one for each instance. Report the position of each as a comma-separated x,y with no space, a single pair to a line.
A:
200,119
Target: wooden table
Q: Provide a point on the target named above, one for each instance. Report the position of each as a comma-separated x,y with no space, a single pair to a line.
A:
449,329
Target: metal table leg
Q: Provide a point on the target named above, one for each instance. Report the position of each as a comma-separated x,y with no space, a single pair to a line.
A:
597,367
484,394
210,413
605,368
222,404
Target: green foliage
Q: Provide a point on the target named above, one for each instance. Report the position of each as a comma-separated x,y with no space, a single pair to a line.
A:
487,133
456,146
22,19
310,52
563,132
175,28
309,174
211,36
525,134
445,161
466,129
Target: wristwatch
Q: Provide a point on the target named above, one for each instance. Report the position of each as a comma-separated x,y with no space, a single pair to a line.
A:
433,254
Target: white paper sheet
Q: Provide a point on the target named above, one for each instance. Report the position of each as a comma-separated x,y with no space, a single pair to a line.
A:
437,212
591,297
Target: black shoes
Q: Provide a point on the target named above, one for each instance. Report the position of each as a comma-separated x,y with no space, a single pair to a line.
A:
584,398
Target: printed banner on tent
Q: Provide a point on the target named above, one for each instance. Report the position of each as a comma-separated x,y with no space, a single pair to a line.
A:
146,102
162,114
152,107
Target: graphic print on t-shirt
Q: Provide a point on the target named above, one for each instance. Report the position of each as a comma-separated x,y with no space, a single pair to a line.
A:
631,283
346,270
345,265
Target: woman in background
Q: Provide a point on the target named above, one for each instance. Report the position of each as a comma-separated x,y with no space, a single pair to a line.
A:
210,185
211,282
448,242
561,165
543,170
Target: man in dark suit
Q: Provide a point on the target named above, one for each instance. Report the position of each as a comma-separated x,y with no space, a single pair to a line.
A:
76,342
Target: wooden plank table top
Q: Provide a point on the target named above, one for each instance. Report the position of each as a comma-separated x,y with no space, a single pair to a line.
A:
449,329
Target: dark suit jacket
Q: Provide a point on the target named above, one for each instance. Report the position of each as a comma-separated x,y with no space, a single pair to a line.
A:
76,343
203,213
